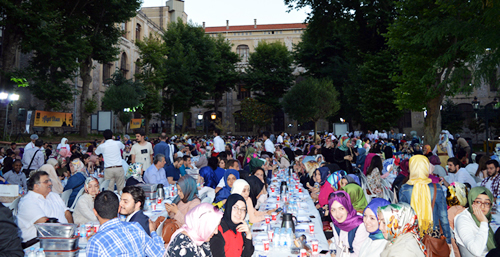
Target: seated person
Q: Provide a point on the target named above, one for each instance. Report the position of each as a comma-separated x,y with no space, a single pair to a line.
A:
132,204
77,179
155,174
117,238
85,204
187,199
133,175
229,177
172,171
15,176
10,240
40,204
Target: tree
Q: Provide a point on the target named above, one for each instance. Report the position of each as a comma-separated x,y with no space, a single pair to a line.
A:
438,44
122,93
256,113
150,103
269,72
451,117
311,100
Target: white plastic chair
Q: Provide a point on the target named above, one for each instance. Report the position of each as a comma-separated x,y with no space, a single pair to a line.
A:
80,193
14,206
104,185
65,196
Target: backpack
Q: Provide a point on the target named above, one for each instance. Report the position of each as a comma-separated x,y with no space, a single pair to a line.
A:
350,236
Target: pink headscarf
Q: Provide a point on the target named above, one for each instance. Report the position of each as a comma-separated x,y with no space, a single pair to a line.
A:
201,222
368,161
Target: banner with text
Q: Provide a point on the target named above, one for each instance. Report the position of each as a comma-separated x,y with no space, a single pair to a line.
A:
135,123
53,119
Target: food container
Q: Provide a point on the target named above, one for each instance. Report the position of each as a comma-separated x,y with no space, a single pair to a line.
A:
71,253
57,230
148,187
151,195
58,244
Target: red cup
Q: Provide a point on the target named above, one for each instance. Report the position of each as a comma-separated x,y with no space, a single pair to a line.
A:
96,228
297,186
274,215
268,219
311,228
278,198
88,228
153,206
314,246
270,235
286,198
303,253
266,245
158,200
300,190
273,189
277,205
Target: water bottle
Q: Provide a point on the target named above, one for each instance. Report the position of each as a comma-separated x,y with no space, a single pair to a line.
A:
31,252
283,241
276,238
148,204
290,237
175,189
40,253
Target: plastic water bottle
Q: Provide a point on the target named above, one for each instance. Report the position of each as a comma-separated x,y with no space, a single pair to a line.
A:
289,237
283,241
175,190
40,253
148,204
276,238
31,252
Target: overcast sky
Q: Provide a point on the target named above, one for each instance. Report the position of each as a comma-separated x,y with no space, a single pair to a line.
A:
238,12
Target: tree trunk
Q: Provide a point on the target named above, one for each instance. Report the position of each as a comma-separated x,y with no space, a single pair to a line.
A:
433,121
315,130
85,69
11,39
184,121
146,125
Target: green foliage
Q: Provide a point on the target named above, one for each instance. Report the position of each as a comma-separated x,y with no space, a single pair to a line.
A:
269,72
451,117
311,99
20,82
255,112
90,105
122,93
150,102
125,117
225,61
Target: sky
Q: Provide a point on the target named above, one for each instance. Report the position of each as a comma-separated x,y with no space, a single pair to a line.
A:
238,12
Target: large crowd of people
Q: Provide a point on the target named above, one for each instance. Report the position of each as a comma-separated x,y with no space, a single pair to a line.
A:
378,194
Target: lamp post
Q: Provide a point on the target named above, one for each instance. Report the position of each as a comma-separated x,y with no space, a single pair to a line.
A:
486,114
200,117
9,98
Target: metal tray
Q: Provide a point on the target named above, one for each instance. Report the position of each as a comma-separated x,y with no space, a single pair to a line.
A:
148,187
57,230
72,253
58,244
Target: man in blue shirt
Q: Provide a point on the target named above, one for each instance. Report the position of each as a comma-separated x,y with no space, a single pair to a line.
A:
163,148
155,174
118,238
173,172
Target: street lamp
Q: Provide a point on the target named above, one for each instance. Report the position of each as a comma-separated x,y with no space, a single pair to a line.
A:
11,98
213,116
486,114
200,116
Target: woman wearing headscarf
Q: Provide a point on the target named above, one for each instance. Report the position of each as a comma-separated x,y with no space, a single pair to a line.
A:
374,177
472,231
330,185
233,238
399,225
427,150
320,176
357,196
258,193
187,199
193,238
346,222
242,188
255,163
229,177
57,186
84,209
368,161
402,177
419,192
360,158
457,200
76,181
438,169
311,167
249,155
134,175
343,154
375,243
208,173
443,148
281,159
63,148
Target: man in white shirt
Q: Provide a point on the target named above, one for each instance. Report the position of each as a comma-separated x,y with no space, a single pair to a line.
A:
219,145
31,144
33,158
40,204
113,166
280,138
155,174
268,144
142,151
457,174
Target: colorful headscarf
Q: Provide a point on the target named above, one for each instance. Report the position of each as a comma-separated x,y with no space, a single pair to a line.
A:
353,219
457,194
421,195
444,138
401,219
427,149
373,206
325,172
344,143
134,170
335,178
357,196
249,155
473,194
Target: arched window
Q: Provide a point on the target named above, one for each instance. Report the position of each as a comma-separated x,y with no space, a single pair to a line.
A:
138,32
123,64
243,51
124,29
106,72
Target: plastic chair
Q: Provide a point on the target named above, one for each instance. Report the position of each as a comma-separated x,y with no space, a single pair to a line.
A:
14,206
65,196
104,185
80,193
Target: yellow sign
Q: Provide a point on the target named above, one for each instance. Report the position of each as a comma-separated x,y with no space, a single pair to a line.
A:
53,119
135,123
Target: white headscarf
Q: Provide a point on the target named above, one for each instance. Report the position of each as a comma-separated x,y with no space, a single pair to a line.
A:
238,186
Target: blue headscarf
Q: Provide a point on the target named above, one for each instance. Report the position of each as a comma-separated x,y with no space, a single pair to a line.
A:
226,190
308,158
373,205
360,159
325,172
188,187
335,178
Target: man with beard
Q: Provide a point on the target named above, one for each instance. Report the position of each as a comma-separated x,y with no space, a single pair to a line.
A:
131,205
492,182
458,174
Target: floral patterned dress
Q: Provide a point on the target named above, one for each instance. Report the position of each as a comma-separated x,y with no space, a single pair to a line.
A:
375,182
183,246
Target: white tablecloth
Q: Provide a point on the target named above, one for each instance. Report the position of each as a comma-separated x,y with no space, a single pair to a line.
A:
307,209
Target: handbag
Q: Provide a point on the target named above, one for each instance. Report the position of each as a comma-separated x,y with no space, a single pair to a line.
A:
169,227
435,241
28,170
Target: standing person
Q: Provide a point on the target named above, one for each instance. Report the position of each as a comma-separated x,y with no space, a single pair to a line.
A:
219,145
375,243
234,237
443,149
280,138
268,144
472,227
400,226
492,182
33,158
117,238
142,151
193,238
164,148
457,174
15,176
132,204
111,152
31,144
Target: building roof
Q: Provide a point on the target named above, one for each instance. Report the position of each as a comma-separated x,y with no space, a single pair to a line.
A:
288,26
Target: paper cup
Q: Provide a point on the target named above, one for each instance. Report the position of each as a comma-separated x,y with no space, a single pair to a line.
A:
274,215
315,246
311,228
268,219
